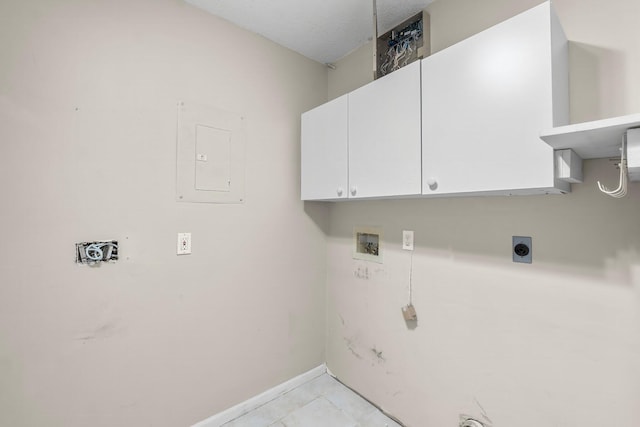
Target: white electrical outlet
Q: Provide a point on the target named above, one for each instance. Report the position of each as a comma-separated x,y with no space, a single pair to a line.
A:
184,243
407,240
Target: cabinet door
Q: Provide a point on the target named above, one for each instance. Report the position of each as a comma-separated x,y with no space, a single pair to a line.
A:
384,136
485,101
324,151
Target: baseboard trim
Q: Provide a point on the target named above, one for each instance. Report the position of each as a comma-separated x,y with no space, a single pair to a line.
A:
259,400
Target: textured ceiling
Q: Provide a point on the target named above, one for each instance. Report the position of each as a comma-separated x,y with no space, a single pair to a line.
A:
323,30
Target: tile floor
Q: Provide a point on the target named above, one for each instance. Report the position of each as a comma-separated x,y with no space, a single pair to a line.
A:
322,402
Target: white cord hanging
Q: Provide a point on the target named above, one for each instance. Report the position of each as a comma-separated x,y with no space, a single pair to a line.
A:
621,191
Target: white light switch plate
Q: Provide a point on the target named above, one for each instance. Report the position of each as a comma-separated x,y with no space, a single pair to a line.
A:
184,243
407,240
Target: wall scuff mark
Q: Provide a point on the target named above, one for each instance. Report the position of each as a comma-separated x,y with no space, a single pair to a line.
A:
378,354
350,346
361,272
105,331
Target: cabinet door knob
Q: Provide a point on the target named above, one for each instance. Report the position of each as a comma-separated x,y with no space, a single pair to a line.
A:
432,183
354,190
339,191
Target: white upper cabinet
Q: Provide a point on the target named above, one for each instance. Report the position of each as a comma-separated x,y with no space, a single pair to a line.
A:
466,120
365,144
485,102
324,151
384,136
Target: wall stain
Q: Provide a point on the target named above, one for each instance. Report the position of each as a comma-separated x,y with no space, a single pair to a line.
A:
130,404
105,331
362,272
378,354
351,349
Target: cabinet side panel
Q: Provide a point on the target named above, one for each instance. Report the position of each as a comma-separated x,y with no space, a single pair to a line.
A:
324,151
560,70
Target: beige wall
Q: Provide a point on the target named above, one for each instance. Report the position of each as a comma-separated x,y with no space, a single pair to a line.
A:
554,343
351,72
87,130
88,93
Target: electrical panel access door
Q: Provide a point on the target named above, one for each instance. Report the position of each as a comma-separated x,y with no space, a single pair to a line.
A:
210,155
324,151
384,136
485,101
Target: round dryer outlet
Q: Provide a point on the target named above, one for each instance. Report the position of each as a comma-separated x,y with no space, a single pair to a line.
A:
521,249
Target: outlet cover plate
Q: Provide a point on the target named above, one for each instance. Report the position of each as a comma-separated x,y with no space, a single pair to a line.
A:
407,240
184,244
521,249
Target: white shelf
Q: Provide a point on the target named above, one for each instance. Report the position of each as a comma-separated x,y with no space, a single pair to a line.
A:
592,140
